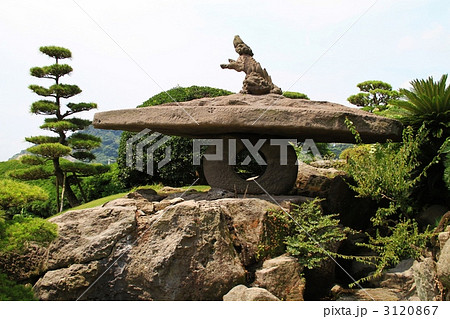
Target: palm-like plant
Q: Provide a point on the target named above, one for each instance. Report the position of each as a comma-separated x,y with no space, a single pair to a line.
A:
427,103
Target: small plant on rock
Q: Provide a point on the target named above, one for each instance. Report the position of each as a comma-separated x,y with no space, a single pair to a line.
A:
305,232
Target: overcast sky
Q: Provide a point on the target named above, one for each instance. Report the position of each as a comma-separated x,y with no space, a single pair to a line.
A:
126,51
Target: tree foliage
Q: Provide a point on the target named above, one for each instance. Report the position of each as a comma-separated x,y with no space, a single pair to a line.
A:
374,95
68,141
426,106
427,102
11,291
17,194
180,170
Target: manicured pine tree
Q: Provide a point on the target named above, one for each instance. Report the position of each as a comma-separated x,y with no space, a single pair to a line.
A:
68,141
374,95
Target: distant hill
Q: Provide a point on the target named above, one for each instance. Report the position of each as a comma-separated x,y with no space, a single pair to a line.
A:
105,154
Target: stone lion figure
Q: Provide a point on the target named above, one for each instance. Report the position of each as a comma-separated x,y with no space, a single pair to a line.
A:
257,81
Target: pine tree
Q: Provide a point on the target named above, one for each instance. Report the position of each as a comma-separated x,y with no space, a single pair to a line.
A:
59,120
374,95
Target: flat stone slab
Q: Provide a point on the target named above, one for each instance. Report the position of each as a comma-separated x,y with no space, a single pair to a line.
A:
268,115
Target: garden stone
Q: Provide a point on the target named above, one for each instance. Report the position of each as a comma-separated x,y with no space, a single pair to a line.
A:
191,250
425,279
282,277
242,293
443,265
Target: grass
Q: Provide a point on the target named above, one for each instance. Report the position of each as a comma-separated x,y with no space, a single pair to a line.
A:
157,188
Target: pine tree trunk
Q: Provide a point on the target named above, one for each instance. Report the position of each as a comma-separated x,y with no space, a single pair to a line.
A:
83,194
71,198
62,193
57,194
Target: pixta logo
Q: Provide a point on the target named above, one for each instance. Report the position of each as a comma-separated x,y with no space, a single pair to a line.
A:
150,142
305,148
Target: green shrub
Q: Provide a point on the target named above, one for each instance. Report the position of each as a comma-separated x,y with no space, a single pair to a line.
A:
387,173
403,241
20,231
428,102
355,152
11,291
103,185
307,234
295,95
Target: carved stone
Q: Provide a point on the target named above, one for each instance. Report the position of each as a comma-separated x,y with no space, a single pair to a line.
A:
257,81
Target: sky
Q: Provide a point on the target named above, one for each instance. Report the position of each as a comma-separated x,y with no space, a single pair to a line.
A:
124,52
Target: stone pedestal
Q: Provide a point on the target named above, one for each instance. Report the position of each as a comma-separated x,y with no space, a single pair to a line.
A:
278,178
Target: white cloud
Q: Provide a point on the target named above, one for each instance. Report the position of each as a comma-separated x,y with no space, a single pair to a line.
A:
434,33
406,43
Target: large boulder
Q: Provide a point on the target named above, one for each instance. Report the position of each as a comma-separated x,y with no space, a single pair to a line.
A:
190,249
315,181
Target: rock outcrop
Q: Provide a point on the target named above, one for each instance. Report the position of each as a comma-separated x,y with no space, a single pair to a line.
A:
240,115
189,249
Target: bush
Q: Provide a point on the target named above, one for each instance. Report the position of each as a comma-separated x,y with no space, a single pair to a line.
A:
307,234
103,185
295,95
11,291
180,170
181,94
403,241
20,231
386,173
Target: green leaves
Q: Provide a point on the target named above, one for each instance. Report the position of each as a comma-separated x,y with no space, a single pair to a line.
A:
427,101
79,107
374,95
13,193
403,241
54,71
31,173
181,94
11,291
56,52
31,160
83,156
50,150
44,107
57,90
307,234
81,141
295,95
385,171
20,231
368,86
73,124
42,139
83,169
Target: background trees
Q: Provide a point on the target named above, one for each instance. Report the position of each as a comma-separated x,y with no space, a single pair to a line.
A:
374,95
60,121
180,170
